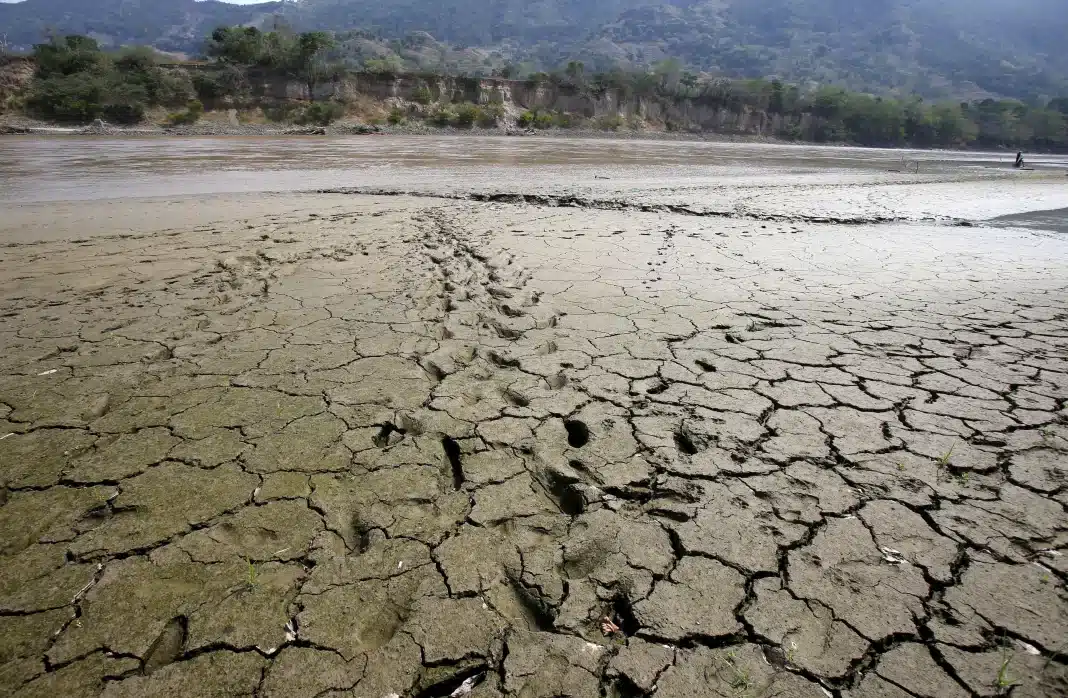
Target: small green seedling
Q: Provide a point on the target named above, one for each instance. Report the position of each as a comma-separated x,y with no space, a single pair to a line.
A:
740,680
942,464
251,581
1004,682
791,652
963,479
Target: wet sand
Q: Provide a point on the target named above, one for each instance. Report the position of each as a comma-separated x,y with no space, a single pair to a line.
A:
790,430
1055,221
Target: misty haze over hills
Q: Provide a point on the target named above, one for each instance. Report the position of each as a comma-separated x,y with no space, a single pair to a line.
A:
955,48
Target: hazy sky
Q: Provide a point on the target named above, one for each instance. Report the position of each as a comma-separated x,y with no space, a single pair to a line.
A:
234,2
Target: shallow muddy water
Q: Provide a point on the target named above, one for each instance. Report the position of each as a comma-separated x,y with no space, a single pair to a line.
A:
679,172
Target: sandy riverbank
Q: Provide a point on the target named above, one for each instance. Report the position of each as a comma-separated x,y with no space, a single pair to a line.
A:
337,444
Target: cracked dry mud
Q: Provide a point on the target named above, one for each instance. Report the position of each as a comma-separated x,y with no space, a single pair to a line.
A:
380,447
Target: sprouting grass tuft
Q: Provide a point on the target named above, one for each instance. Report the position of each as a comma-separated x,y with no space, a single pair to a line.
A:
1004,682
251,580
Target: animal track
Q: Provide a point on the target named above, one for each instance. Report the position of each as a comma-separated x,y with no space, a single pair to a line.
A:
578,434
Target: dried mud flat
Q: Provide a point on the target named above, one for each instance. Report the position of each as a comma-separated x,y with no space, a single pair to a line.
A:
413,447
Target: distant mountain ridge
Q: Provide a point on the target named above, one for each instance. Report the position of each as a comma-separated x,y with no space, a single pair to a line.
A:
170,25
954,48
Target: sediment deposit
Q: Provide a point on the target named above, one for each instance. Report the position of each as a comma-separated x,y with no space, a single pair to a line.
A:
409,446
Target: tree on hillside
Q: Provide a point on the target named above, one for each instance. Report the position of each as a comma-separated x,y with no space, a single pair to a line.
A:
575,72
239,45
301,56
67,56
309,61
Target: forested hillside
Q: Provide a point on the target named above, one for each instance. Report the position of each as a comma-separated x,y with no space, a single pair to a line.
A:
283,76
937,48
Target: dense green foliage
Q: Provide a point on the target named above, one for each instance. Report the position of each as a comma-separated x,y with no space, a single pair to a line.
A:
279,50
463,115
190,115
832,114
302,56
960,49
77,82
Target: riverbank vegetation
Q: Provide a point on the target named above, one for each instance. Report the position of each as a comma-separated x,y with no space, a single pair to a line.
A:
75,81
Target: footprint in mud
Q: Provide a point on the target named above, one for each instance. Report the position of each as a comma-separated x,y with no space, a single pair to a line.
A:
578,434
504,332
547,323
657,388
568,496
510,311
168,645
684,443
465,355
389,434
501,361
499,262
453,456
547,348
514,398
434,372
409,425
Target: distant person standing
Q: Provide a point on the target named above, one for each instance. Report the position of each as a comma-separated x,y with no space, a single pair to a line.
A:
1019,161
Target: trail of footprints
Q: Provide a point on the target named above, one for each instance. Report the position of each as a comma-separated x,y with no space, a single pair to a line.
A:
459,496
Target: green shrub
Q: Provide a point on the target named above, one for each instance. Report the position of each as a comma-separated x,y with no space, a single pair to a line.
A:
396,116
466,116
565,119
610,122
422,94
172,87
208,86
443,116
74,98
228,81
69,56
193,111
83,97
321,113
544,120
122,112
489,115
135,59
282,113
